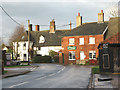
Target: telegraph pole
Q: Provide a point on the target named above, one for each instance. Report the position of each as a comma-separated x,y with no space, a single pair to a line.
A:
70,25
28,41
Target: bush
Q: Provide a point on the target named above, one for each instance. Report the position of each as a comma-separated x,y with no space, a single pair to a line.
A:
41,59
56,58
91,62
95,70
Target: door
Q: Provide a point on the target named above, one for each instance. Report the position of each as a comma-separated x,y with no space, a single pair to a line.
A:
82,56
63,57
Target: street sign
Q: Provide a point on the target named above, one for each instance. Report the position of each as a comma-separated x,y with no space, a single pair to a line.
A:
71,47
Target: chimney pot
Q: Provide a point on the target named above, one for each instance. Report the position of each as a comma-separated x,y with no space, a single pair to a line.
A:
101,11
37,27
78,14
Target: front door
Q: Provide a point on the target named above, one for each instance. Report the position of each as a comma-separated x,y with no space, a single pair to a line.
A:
82,56
63,57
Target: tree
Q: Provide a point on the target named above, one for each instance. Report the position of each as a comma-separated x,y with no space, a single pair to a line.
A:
17,34
113,11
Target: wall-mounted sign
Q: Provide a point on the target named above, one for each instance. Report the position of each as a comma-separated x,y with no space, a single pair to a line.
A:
71,47
105,45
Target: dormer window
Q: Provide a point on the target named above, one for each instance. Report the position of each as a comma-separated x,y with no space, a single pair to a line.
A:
41,39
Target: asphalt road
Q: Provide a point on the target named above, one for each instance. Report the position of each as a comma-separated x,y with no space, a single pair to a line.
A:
51,76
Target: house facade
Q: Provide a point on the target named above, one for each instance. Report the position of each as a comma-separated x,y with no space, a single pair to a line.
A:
81,44
20,50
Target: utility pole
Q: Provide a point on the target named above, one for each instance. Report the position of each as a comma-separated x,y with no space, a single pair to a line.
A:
28,41
70,25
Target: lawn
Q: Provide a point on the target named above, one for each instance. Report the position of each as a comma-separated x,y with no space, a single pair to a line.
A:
95,70
15,66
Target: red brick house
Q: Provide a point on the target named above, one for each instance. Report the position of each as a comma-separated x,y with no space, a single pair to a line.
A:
80,45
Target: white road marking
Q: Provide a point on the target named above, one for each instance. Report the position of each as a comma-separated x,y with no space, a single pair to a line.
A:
50,74
41,78
18,84
33,69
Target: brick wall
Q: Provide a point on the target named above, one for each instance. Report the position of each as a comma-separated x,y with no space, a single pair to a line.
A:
86,47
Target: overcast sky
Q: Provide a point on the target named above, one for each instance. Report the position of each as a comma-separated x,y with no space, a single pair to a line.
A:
43,11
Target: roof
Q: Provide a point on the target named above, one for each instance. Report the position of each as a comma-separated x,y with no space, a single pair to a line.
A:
113,27
93,28
54,39
115,39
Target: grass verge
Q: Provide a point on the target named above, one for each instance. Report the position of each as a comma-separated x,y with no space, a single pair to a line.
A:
95,70
4,72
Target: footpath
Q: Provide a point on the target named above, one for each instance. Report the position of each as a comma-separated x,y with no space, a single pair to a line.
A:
15,71
104,81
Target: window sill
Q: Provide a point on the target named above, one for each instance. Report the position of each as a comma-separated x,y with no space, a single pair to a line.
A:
71,59
91,43
81,44
71,44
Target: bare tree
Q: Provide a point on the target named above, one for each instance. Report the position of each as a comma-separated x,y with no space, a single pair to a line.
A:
17,34
113,11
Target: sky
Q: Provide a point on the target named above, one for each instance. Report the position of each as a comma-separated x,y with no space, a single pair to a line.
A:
41,12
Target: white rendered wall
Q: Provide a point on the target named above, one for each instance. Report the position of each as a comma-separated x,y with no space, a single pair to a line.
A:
45,50
21,50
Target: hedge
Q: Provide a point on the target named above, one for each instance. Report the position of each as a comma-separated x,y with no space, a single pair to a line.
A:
41,59
56,58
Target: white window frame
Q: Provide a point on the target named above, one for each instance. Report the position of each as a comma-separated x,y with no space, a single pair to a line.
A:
93,53
81,41
72,55
91,40
71,41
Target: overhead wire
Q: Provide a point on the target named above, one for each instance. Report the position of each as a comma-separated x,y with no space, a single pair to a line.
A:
9,16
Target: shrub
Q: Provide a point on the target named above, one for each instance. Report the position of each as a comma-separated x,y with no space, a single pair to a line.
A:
56,58
91,62
95,70
41,59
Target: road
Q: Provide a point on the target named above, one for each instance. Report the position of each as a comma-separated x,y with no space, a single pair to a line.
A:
51,76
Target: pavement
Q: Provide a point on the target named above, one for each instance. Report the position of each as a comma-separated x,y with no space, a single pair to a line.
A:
51,76
18,71
98,81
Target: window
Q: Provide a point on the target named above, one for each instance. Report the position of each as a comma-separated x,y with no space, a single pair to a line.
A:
24,55
39,48
41,39
24,46
91,40
71,41
92,54
72,55
81,41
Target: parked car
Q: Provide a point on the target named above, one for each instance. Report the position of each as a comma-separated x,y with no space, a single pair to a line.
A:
13,62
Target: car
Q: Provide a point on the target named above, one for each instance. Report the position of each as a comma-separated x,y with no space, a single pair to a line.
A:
15,62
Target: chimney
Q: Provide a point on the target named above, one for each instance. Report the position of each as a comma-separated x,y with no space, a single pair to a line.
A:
52,26
78,20
30,27
101,17
36,27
